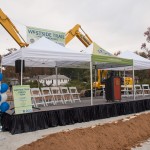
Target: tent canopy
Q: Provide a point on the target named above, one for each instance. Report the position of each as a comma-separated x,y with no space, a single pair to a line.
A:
103,59
46,53
139,62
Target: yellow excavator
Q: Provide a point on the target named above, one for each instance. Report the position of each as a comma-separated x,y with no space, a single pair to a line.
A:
103,74
78,32
11,29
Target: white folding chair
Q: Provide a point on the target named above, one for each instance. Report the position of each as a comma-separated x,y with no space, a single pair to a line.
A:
129,90
37,97
103,90
58,96
146,89
47,95
138,90
124,91
74,93
66,95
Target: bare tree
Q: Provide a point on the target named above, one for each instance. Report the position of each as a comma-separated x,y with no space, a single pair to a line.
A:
117,53
144,46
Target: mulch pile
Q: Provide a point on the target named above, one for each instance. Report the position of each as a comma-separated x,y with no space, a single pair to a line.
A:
119,135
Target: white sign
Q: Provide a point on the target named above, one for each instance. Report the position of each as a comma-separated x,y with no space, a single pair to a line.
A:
22,99
34,34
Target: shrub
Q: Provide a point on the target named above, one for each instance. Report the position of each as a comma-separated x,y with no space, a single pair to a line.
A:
79,85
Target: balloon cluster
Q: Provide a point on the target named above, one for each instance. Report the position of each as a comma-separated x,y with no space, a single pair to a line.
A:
4,106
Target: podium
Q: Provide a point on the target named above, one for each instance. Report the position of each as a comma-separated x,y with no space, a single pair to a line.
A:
113,88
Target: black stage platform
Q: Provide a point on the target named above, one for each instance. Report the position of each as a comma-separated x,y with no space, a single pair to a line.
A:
66,114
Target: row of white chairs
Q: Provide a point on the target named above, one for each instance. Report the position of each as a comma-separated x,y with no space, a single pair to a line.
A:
140,90
54,95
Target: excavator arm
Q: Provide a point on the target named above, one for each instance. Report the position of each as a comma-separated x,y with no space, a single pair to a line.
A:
11,29
85,39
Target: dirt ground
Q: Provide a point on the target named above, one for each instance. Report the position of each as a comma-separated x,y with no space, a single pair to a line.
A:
120,135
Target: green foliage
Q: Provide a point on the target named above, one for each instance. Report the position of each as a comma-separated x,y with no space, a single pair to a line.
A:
79,85
80,78
76,74
143,76
145,81
33,84
6,80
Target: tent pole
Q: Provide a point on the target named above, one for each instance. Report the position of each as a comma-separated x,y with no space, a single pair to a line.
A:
0,94
133,81
95,80
56,72
1,64
124,73
21,70
91,82
38,81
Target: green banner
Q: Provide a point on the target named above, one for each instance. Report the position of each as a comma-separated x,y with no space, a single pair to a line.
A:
110,59
97,50
22,99
34,34
103,56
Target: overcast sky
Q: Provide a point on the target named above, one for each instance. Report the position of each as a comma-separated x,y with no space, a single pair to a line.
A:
112,24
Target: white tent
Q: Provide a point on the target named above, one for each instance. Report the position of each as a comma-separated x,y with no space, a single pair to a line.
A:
139,62
45,53
101,59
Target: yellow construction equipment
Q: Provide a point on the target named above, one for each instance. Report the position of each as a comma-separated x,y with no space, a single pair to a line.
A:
103,74
83,37
11,29
86,40
128,81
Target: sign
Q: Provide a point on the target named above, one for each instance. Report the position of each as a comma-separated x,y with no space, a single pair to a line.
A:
22,99
34,34
97,50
